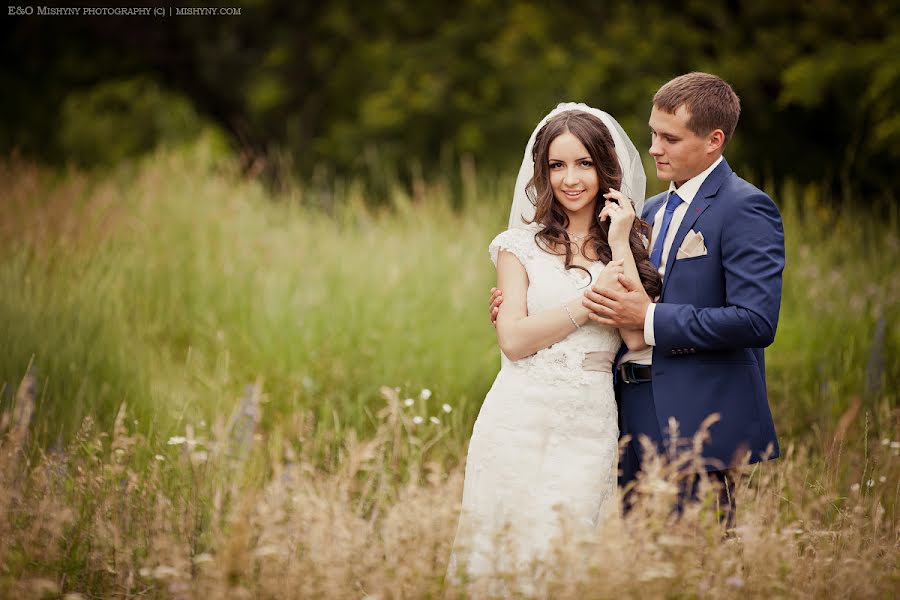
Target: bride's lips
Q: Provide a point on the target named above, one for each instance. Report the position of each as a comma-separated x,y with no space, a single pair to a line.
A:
573,194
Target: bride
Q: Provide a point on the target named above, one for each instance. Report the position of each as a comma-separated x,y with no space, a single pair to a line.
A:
543,453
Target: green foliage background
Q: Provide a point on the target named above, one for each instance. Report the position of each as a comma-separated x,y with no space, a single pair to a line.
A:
151,260
172,283
304,88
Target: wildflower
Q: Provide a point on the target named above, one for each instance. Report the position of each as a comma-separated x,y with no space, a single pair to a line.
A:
160,457
895,445
425,394
885,442
176,440
882,479
663,570
267,550
408,402
735,581
164,572
447,408
870,483
203,557
418,420
199,457
434,420
854,487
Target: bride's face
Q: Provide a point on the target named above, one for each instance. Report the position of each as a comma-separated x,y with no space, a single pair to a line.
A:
573,177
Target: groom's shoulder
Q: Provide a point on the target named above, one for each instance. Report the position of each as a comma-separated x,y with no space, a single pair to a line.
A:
738,188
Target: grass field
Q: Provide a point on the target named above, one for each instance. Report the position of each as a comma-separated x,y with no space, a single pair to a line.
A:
144,301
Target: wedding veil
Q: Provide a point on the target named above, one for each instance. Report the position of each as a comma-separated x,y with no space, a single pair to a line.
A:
634,181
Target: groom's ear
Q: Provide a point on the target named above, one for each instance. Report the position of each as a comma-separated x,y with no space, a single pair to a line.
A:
715,141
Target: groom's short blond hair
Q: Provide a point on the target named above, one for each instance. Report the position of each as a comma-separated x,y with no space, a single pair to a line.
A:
708,98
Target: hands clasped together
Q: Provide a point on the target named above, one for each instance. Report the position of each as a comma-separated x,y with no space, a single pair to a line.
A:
614,299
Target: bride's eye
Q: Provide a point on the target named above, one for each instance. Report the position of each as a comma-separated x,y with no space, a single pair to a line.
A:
554,165
587,163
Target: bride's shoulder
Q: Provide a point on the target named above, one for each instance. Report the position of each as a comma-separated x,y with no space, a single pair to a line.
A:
518,240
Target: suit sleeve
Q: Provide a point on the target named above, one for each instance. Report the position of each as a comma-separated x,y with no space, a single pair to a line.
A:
752,262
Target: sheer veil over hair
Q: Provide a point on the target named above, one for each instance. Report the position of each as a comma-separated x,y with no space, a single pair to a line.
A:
634,181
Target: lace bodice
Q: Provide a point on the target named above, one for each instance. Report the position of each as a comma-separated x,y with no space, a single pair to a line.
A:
550,285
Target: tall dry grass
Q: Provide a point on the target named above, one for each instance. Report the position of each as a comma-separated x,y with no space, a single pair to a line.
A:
228,512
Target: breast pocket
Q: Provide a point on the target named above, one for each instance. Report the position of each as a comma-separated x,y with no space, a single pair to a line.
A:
679,261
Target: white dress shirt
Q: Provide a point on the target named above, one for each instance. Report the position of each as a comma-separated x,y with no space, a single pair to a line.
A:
686,192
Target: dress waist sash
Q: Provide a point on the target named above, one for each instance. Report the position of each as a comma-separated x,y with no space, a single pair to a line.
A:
598,361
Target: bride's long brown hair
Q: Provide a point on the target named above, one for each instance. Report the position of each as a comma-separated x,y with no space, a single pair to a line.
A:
595,136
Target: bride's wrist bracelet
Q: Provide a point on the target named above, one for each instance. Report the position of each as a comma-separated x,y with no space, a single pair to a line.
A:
571,318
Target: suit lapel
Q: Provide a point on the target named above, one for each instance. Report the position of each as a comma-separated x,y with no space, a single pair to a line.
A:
699,204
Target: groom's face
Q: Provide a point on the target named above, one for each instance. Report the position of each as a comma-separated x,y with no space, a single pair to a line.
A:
679,153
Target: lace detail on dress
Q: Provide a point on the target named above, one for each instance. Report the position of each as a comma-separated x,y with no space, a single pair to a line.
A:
561,363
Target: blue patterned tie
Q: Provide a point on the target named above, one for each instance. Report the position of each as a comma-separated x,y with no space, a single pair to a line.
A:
671,204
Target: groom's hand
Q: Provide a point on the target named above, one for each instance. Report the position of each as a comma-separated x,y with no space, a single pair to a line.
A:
496,301
620,309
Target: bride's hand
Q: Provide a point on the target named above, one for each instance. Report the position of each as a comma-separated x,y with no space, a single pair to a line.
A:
621,216
609,276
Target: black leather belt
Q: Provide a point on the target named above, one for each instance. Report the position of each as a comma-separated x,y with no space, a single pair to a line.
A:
635,373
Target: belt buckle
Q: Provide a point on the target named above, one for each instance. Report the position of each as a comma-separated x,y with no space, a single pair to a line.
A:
625,372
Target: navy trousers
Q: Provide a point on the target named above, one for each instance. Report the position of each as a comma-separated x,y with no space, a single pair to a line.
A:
637,418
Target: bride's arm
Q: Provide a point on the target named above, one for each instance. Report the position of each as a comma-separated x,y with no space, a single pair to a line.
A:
620,245
520,334
633,338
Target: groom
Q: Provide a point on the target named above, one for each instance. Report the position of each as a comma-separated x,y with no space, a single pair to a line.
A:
718,242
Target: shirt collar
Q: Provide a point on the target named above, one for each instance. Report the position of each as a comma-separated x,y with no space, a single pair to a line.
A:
689,188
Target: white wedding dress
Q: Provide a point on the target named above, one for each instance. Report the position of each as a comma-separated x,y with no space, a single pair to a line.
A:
543,454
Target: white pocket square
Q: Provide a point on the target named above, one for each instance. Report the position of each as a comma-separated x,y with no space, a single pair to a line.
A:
691,246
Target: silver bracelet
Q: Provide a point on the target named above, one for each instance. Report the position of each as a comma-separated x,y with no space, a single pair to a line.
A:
571,318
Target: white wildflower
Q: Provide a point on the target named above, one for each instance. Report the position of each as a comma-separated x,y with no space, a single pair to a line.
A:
854,487
885,442
870,483
203,557
434,420
408,402
418,420
663,570
882,479
199,457
735,581
447,408
267,550
425,394
176,440
164,572
160,457
895,445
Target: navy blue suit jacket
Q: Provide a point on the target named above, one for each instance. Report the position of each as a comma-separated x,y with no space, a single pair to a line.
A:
715,315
